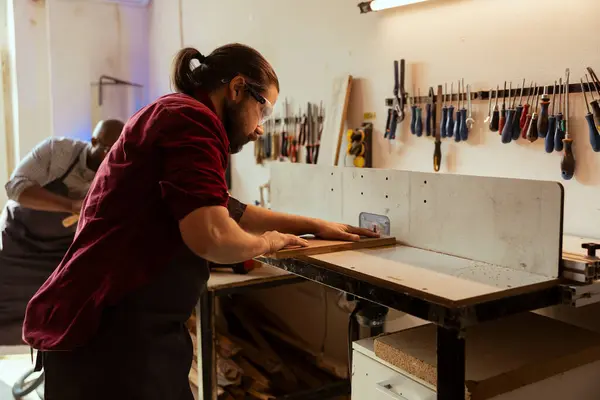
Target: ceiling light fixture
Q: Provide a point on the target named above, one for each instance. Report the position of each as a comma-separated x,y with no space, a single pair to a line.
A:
378,5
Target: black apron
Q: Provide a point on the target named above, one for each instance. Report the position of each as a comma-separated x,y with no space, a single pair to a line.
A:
142,350
32,245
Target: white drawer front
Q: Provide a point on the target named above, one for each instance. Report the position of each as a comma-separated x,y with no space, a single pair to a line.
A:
372,380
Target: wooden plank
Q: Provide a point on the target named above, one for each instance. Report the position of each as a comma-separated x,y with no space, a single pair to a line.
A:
572,244
319,246
507,222
226,279
502,355
441,278
336,112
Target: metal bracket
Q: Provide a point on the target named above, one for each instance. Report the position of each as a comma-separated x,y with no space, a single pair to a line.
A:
380,223
581,295
581,269
105,80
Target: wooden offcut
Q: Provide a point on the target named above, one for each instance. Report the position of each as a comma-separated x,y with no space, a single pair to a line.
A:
336,111
501,356
319,246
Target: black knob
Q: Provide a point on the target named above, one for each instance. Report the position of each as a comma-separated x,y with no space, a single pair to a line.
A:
591,248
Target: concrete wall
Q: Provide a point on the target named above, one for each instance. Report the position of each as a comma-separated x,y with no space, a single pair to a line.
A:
54,50
87,40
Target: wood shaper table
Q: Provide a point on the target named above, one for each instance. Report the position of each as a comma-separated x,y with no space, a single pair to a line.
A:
471,249
452,292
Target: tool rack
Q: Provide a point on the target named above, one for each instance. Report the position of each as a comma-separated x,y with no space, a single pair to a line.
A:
486,94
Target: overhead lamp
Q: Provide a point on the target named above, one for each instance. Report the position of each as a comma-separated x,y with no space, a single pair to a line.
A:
378,5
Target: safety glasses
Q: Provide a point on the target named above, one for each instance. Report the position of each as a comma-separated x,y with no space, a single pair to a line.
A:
267,108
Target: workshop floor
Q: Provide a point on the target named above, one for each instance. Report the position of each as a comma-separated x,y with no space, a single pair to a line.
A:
14,362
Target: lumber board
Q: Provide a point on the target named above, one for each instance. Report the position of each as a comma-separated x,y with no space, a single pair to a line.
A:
572,244
335,121
320,246
512,223
442,278
502,355
227,279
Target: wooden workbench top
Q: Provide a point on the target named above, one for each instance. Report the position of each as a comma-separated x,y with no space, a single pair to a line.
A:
438,277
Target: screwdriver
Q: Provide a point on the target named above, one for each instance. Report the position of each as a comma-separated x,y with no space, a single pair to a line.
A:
526,108
551,124
444,112
593,129
418,118
450,115
464,129
525,128
532,132
489,116
567,164
496,114
542,123
413,117
437,152
510,117
502,112
516,129
428,111
560,133
458,122
595,105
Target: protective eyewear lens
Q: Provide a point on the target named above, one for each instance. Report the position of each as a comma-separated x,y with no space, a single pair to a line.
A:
267,111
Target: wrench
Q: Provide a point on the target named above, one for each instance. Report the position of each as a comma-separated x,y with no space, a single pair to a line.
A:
470,120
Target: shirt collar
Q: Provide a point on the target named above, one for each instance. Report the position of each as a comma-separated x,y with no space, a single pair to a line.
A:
204,98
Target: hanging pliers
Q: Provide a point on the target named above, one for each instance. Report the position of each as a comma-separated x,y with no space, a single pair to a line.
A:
396,112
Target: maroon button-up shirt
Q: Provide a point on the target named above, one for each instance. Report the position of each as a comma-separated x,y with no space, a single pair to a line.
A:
170,160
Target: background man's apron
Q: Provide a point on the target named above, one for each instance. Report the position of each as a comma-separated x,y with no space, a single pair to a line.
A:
32,245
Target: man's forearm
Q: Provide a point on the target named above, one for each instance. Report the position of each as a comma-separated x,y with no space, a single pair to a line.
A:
38,198
258,220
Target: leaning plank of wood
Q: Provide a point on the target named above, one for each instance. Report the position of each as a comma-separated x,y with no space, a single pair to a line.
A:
260,381
336,112
503,355
318,246
262,343
258,357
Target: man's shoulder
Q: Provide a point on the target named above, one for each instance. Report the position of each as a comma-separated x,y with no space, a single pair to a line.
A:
61,144
179,103
64,141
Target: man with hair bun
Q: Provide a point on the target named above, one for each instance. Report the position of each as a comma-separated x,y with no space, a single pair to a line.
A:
110,321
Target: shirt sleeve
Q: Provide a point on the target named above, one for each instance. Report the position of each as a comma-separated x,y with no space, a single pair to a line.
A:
34,169
195,158
236,209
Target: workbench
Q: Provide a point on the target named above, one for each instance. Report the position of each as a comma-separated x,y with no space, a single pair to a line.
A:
224,283
369,276
470,249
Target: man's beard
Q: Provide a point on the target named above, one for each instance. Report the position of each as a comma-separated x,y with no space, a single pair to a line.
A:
234,127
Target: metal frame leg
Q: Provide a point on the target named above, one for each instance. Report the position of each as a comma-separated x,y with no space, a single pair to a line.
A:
208,358
450,364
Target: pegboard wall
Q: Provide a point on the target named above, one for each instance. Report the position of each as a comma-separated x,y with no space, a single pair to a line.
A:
507,222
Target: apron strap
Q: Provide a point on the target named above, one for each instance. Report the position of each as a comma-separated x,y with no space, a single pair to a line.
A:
73,164
39,360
